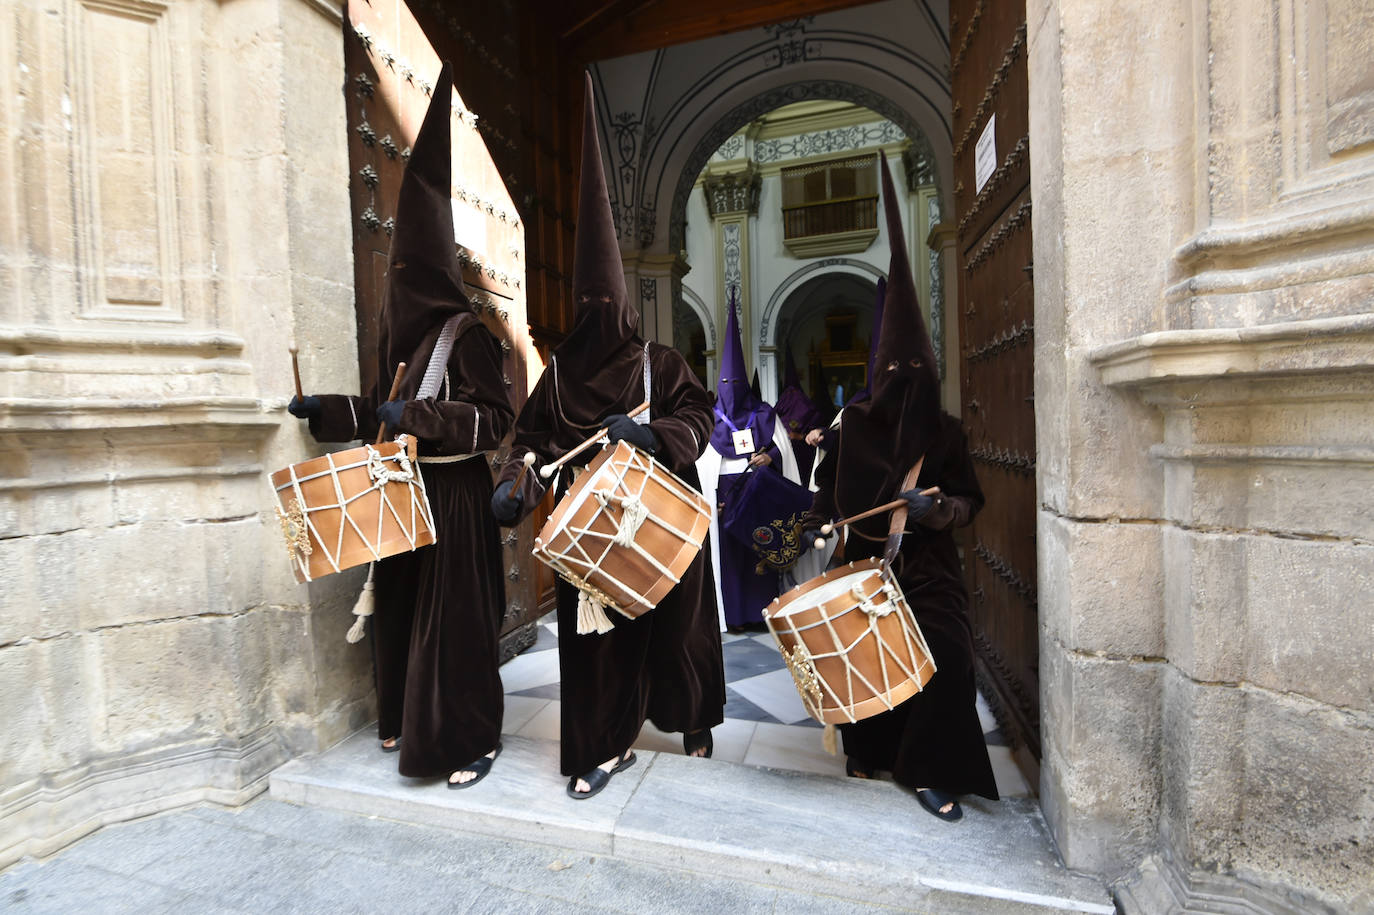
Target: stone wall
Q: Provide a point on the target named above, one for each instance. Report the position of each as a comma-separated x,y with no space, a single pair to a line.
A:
174,209
1203,177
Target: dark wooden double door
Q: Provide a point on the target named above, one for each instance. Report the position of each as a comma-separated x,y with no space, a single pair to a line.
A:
996,337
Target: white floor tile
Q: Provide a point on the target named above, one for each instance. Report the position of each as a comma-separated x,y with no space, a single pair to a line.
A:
775,692
767,639
531,669
781,747
1010,781
519,710
545,723
730,740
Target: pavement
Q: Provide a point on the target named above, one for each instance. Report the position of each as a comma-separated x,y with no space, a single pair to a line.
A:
277,857
769,825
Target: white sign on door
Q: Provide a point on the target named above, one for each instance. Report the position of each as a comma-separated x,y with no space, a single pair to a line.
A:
985,154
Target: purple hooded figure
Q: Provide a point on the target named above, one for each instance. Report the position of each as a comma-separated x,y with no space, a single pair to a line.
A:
747,438
738,410
799,416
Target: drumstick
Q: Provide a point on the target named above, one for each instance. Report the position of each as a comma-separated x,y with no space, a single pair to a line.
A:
395,390
830,526
547,470
529,462
296,370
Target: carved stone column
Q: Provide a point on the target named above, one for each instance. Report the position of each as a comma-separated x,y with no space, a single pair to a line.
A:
732,199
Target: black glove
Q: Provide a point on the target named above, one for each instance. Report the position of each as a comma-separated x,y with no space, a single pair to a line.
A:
622,428
918,505
389,414
505,503
309,408
811,534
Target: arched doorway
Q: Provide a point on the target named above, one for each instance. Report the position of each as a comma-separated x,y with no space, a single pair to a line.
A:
826,323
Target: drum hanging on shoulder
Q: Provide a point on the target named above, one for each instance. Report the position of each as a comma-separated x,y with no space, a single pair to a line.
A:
352,507
623,535
851,642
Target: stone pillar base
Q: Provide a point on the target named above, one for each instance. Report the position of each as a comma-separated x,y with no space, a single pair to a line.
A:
1162,887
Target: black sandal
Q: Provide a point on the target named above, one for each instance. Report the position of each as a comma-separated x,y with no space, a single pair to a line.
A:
692,741
482,766
856,770
394,747
933,800
598,778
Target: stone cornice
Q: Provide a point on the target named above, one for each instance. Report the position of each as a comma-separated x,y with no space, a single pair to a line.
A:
1314,347
329,9
649,263
25,339
42,414
1255,238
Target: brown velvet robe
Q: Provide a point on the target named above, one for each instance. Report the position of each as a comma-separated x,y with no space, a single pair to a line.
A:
665,666
439,609
934,739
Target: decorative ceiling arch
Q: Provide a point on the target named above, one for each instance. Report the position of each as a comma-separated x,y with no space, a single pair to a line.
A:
668,110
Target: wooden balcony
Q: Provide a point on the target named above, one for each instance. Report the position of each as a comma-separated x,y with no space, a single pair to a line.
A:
843,226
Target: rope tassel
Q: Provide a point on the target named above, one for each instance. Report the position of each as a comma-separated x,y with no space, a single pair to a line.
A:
591,615
362,609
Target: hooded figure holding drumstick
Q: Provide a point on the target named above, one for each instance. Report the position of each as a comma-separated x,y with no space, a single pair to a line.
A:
666,665
933,742
438,610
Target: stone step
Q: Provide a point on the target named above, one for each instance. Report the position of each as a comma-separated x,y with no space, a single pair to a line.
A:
863,840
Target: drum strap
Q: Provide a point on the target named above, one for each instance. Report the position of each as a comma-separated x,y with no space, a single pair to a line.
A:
438,360
644,418
897,524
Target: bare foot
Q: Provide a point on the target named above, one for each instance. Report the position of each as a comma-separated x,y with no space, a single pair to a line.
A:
582,787
946,808
390,743
463,776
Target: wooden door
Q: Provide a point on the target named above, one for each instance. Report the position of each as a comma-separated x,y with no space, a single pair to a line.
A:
996,333
392,58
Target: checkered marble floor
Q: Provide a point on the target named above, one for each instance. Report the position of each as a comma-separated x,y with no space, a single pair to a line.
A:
765,723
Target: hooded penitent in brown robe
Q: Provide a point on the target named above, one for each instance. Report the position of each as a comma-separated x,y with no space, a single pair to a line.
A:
666,665
934,739
438,609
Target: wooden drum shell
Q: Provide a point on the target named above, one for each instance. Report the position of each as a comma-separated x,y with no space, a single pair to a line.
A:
633,584
385,531
799,619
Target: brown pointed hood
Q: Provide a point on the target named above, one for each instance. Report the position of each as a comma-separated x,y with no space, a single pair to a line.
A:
881,438
424,281
598,362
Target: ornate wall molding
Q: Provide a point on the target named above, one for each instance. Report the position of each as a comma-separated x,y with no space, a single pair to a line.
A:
733,192
828,142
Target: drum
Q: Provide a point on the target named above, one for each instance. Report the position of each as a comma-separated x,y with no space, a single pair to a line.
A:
851,643
356,506
624,533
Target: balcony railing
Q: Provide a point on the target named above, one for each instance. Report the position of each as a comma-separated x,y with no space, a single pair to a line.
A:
830,217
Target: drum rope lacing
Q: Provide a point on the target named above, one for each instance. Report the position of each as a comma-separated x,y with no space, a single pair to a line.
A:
801,660
376,466
578,565
418,504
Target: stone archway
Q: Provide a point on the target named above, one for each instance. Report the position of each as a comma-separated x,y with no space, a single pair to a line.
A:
798,314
